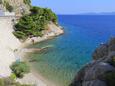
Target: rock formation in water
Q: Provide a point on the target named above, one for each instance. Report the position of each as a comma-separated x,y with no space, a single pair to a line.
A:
101,71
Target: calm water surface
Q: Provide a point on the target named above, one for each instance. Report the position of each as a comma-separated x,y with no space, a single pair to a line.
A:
72,50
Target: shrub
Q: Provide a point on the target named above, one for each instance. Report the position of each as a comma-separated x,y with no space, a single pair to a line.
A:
110,78
28,2
8,7
34,23
19,69
112,62
1,82
13,76
10,82
19,34
1,2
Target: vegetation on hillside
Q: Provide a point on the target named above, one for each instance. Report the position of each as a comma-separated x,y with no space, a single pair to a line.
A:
34,23
10,82
112,62
0,1
8,6
110,78
19,69
28,2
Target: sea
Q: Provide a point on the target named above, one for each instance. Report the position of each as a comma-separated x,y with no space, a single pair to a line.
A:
69,52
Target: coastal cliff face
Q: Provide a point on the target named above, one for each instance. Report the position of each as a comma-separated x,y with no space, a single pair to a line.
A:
101,71
8,43
18,6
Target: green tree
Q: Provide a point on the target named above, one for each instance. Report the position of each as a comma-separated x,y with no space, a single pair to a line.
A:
1,2
34,23
28,2
8,6
19,69
10,82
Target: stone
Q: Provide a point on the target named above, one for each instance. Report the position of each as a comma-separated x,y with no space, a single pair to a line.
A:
94,83
111,48
112,41
100,52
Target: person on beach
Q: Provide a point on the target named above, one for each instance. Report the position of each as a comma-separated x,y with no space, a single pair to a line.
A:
32,41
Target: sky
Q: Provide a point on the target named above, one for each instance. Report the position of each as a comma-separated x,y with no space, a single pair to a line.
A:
77,6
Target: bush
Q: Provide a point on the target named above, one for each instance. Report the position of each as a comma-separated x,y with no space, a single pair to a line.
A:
28,2
19,34
10,82
1,2
34,23
13,76
19,69
8,7
110,78
1,82
112,62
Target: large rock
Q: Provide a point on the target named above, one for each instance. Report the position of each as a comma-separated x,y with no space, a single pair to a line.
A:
112,41
94,83
104,62
97,71
79,78
111,48
100,52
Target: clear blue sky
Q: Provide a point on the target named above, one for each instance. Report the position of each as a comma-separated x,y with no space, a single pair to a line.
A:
77,6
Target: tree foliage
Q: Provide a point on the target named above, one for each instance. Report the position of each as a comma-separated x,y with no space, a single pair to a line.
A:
19,69
1,2
28,2
34,23
44,12
110,78
10,82
8,6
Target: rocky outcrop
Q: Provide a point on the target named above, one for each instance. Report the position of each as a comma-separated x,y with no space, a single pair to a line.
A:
19,6
100,52
101,71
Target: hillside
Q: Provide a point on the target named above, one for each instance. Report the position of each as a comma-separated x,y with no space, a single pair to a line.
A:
8,43
18,6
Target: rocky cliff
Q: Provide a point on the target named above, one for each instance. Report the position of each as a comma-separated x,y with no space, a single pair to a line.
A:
101,71
18,6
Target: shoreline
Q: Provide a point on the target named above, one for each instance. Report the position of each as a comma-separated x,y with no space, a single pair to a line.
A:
9,43
52,33
35,76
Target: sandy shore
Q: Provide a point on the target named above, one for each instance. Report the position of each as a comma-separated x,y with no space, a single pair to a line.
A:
8,43
31,79
34,77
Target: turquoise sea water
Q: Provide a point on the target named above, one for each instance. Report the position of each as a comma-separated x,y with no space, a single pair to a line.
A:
72,50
